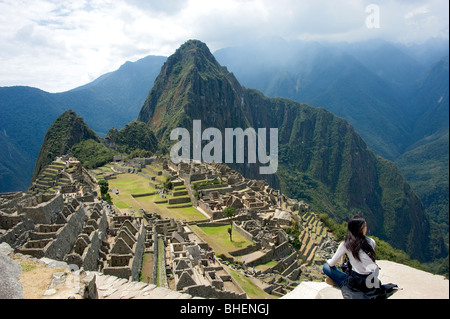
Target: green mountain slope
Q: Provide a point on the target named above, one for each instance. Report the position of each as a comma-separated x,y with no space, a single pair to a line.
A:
426,162
355,81
427,169
430,104
12,174
66,131
134,136
69,134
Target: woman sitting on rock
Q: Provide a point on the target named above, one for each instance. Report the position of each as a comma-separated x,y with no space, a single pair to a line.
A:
362,279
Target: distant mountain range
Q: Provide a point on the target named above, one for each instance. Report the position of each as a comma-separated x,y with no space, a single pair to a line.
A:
113,100
375,86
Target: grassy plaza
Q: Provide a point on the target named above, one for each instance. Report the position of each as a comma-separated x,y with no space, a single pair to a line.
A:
128,184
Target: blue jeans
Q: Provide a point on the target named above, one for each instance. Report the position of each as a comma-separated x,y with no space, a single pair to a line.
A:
337,275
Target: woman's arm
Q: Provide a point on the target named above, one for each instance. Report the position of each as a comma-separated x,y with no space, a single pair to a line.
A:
337,255
371,242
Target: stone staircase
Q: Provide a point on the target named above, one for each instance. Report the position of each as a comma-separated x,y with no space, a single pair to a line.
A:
111,287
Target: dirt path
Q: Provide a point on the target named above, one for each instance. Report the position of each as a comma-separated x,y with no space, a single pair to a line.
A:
35,277
147,268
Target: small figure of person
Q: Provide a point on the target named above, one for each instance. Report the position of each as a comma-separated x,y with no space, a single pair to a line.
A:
362,279
359,249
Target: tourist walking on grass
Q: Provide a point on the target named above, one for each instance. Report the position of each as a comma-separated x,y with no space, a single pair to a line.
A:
360,280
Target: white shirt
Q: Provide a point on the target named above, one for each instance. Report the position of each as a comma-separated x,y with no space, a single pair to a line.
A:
363,267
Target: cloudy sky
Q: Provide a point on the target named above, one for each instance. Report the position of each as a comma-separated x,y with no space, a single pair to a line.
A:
57,45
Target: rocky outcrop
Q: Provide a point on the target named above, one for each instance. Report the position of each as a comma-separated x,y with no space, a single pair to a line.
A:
10,287
412,283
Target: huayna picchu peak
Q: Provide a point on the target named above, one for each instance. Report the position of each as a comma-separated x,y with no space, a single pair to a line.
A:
191,85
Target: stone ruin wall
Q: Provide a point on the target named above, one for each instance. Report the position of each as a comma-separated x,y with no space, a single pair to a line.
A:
138,254
89,245
16,235
128,265
66,236
42,208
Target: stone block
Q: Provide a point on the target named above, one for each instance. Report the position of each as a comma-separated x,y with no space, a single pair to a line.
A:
10,287
90,287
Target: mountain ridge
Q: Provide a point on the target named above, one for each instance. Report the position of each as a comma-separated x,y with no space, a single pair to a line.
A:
28,112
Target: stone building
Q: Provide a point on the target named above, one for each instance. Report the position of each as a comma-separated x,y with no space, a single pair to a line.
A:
125,256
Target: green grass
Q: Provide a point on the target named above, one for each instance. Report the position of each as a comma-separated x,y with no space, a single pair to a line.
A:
103,169
121,205
131,184
161,271
146,274
221,233
159,178
185,213
267,265
188,213
128,184
26,268
218,238
253,291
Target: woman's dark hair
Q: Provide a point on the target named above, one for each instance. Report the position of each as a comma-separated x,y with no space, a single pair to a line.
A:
355,240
